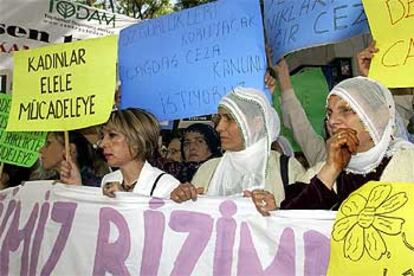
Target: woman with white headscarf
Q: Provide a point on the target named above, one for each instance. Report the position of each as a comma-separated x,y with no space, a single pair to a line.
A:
247,125
362,146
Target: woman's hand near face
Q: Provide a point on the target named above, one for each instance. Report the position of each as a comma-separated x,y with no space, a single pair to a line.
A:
69,173
263,200
340,147
186,191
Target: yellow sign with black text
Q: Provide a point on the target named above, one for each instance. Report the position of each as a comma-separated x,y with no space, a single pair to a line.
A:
64,86
392,27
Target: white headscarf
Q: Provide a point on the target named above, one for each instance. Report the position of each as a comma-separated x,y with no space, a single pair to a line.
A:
374,105
260,126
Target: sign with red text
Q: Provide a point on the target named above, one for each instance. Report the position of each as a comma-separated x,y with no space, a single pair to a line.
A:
64,86
65,230
37,23
392,27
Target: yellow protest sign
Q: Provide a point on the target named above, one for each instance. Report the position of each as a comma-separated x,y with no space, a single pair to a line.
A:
64,86
392,26
374,231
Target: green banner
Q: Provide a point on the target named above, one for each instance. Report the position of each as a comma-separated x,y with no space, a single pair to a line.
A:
17,148
311,89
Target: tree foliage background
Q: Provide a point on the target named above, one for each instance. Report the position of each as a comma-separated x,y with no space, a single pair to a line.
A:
143,9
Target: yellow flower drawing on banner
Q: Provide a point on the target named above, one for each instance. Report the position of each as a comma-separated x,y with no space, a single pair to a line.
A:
366,220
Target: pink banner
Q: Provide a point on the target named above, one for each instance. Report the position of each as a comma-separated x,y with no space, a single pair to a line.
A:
63,230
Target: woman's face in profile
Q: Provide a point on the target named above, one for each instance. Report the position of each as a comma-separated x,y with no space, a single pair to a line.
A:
115,148
230,133
52,153
174,150
340,115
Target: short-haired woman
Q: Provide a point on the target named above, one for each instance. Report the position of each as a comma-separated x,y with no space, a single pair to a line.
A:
128,140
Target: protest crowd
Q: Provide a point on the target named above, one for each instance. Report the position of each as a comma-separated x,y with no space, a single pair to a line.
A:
185,136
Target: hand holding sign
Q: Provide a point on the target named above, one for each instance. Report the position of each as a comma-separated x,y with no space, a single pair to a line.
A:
69,173
365,57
